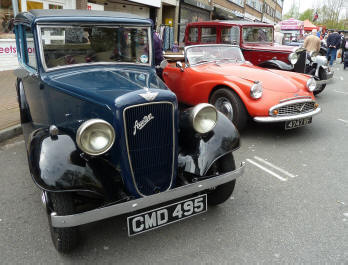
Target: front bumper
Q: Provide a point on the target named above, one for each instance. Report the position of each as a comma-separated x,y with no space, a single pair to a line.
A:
287,118
141,203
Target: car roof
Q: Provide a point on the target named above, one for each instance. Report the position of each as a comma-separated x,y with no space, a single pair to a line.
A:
229,22
72,15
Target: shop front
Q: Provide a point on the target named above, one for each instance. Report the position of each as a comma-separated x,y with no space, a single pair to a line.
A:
8,51
192,11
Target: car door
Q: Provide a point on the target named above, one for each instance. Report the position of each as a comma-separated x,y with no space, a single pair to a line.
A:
177,80
31,82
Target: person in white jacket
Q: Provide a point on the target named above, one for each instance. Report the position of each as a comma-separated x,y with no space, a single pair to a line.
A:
278,36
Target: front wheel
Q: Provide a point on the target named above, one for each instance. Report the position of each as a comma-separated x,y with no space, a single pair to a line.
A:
228,102
64,239
221,193
322,76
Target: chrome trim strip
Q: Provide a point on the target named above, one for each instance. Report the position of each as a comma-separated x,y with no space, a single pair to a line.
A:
126,136
42,57
287,118
288,103
141,203
294,98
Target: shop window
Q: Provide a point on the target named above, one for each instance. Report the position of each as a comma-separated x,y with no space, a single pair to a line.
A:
6,20
208,35
52,6
193,34
230,35
29,45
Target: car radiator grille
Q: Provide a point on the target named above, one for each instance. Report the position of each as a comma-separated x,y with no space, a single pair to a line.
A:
150,145
297,108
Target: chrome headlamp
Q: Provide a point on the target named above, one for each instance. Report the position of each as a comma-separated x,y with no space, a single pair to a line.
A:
293,57
95,137
204,117
311,84
256,90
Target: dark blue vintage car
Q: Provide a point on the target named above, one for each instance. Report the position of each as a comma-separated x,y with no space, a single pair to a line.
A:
104,135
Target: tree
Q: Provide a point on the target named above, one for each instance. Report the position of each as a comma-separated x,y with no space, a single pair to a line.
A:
308,14
329,13
293,12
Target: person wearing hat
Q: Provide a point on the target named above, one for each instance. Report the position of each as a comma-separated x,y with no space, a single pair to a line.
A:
312,42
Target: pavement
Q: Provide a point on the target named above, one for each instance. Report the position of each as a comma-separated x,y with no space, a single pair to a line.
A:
9,112
290,207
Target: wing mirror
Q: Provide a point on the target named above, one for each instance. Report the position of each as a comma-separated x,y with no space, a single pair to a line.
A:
179,65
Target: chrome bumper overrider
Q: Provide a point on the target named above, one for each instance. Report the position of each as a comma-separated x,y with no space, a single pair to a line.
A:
141,203
287,118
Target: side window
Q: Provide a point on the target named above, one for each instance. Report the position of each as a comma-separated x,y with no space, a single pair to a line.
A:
230,35
18,41
193,34
208,35
30,48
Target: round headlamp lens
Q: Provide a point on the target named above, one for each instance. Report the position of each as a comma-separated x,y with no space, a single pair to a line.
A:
204,118
293,57
95,137
311,84
256,90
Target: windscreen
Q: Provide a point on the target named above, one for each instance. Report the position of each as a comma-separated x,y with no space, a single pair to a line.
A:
213,53
68,45
257,34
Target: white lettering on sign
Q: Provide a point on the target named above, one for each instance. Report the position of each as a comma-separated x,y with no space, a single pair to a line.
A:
138,224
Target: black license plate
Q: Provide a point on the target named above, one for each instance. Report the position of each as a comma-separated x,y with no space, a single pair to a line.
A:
165,215
297,123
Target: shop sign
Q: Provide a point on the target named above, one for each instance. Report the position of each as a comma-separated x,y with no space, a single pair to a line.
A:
199,4
8,54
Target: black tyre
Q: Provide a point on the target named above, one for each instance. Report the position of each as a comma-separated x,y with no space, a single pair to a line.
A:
322,76
228,102
221,193
64,239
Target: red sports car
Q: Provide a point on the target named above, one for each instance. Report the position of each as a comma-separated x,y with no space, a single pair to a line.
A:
218,74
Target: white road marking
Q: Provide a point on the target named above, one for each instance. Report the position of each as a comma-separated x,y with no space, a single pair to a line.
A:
341,92
275,167
266,170
341,77
342,120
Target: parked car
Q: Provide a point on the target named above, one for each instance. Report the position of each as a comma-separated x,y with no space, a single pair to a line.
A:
218,74
104,135
256,42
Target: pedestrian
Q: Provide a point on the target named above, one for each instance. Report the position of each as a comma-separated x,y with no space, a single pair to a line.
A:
312,42
344,46
333,43
157,44
278,36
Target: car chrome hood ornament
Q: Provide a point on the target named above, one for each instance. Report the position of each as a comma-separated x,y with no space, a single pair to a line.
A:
149,96
138,125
